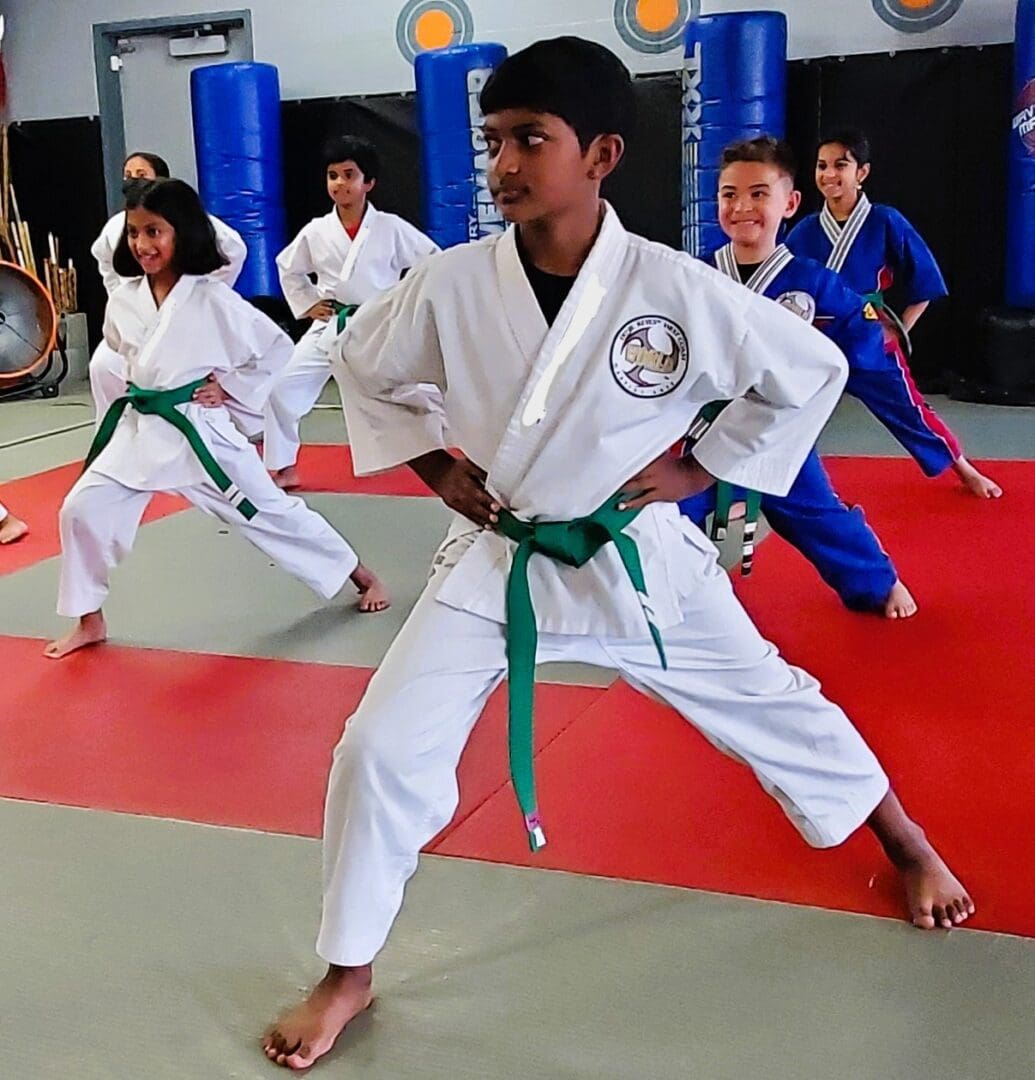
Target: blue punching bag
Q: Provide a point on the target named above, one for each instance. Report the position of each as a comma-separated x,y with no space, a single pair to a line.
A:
1020,238
236,111
454,160
734,87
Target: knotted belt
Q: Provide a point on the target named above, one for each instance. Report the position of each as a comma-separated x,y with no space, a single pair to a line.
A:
891,321
163,403
725,494
573,543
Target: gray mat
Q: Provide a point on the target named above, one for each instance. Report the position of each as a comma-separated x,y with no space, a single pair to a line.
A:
135,948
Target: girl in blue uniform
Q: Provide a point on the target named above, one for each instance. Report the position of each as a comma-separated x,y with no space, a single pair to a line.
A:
870,246
756,196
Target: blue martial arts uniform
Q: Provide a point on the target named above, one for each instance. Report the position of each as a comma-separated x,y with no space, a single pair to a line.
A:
873,248
811,517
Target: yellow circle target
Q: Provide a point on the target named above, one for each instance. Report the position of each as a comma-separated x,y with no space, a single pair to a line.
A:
653,26
424,25
916,16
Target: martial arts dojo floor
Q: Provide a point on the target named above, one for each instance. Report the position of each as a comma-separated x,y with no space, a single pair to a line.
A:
161,799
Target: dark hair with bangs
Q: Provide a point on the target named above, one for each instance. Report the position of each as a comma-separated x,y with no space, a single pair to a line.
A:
196,250
852,139
764,149
352,148
159,164
583,83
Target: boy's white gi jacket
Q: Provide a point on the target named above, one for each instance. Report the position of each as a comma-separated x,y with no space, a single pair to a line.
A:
562,417
228,241
203,327
349,271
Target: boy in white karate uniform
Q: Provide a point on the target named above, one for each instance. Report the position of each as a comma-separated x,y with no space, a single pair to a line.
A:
571,354
107,368
355,252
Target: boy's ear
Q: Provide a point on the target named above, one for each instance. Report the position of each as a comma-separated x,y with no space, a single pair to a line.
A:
864,171
793,203
605,152
369,185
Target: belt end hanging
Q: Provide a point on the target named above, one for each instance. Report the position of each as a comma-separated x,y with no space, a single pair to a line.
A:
536,836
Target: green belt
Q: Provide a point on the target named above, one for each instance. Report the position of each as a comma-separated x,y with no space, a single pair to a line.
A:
163,403
724,497
345,312
573,543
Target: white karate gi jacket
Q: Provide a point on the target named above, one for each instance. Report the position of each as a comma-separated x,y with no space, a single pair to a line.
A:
349,271
561,417
202,327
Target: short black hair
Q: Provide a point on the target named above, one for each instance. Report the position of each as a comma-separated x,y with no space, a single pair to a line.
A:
159,164
852,139
352,148
582,82
766,149
196,250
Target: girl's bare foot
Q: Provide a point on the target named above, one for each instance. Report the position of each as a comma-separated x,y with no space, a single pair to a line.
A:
373,596
287,479
91,630
934,894
309,1030
12,529
976,483
899,603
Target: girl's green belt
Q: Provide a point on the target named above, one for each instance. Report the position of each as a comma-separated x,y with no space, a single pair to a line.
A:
163,403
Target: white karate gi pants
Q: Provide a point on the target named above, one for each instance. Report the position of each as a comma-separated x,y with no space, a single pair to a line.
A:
108,382
295,391
393,783
100,517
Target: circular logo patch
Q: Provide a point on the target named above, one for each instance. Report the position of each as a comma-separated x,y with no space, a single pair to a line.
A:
800,303
916,16
649,356
654,26
424,25
1024,117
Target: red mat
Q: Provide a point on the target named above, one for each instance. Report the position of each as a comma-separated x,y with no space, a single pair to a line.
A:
216,739
328,468
627,789
945,699
37,500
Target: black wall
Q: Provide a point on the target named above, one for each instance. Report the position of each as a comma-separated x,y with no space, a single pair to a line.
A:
937,119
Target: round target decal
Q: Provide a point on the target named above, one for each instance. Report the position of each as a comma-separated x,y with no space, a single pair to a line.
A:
424,25
654,26
916,16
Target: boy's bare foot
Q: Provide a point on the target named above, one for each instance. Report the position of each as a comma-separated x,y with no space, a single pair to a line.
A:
976,483
373,596
12,529
309,1030
934,894
90,630
287,479
899,603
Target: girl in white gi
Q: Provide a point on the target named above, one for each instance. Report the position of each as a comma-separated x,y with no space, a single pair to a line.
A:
11,528
190,345
571,354
356,252
107,369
